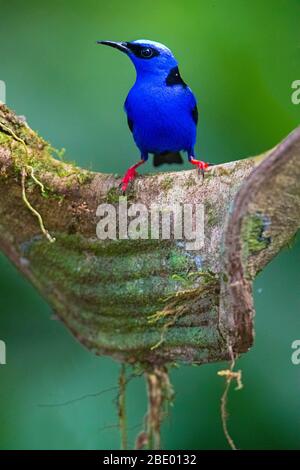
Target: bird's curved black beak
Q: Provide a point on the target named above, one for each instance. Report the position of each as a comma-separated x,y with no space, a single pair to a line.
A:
121,46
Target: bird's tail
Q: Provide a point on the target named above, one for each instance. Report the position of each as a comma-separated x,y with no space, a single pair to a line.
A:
167,157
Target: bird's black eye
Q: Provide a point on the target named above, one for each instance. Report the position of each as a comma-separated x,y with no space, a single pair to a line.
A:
146,52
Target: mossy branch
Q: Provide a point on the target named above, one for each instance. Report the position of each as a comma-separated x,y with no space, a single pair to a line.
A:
147,301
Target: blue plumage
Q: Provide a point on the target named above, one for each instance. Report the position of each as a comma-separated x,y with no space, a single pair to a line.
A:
161,114
161,109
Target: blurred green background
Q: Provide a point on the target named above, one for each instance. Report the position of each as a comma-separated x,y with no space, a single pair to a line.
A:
240,59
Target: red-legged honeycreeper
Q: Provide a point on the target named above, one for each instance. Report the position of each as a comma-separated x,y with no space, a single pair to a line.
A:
161,109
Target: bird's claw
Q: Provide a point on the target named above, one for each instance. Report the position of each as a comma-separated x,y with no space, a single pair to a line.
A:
202,166
129,176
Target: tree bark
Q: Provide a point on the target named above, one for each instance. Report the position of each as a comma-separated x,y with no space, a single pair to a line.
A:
147,301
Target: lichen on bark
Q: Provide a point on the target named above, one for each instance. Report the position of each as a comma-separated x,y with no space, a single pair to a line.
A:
147,302
106,291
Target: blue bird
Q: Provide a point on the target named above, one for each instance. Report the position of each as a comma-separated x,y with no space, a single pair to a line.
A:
161,109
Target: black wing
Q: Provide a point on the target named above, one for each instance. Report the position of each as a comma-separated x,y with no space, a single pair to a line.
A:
127,111
195,114
130,123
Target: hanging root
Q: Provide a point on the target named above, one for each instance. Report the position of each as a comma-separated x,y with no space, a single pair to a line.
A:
122,407
160,395
174,310
32,209
229,375
154,318
38,182
24,170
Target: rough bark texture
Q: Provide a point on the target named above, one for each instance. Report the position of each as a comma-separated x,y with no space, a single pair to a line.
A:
148,301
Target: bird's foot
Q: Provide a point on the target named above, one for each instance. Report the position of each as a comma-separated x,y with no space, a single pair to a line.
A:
129,176
202,166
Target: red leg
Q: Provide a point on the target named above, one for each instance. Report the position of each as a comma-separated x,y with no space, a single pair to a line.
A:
202,166
130,175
